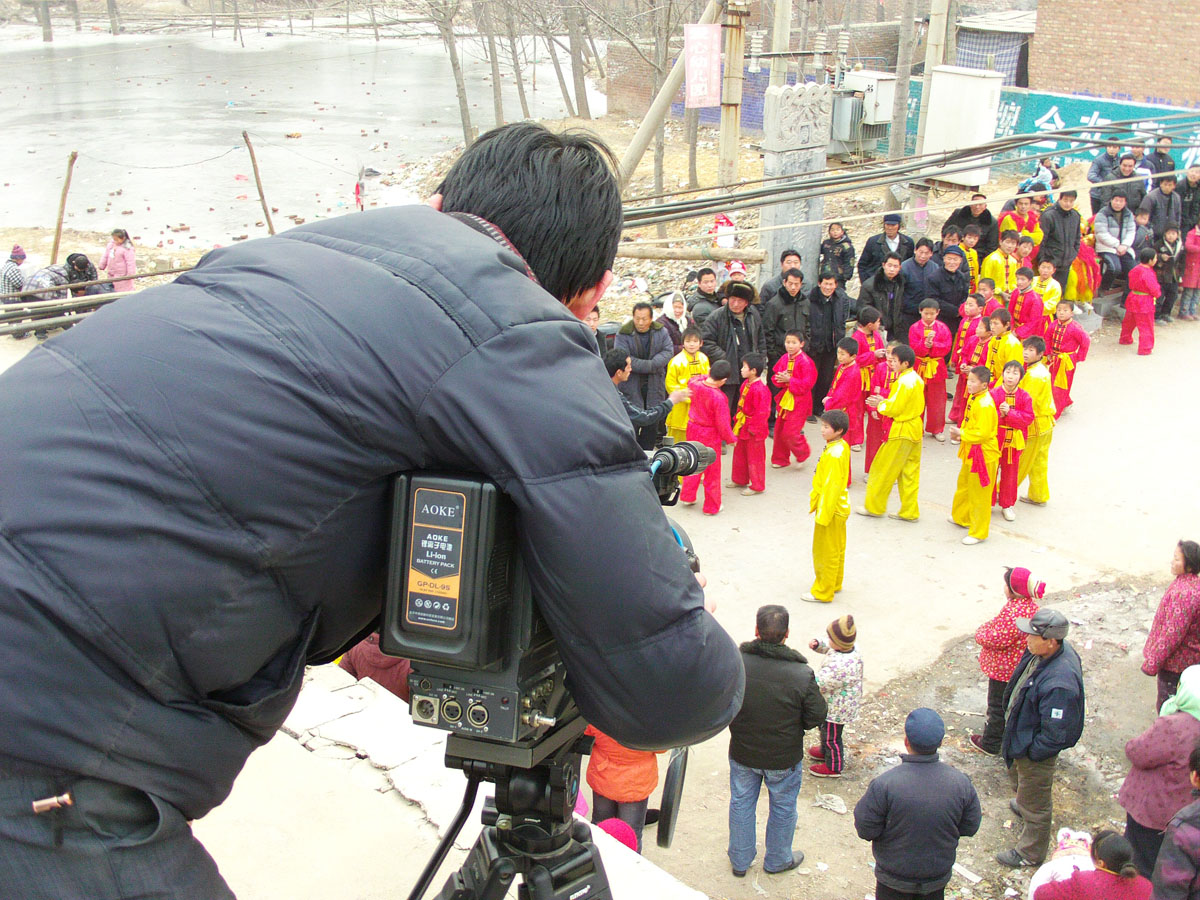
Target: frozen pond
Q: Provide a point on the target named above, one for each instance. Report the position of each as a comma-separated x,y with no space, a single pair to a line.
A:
159,120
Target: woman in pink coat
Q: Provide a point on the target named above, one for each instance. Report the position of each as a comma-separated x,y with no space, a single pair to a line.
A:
1190,282
118,260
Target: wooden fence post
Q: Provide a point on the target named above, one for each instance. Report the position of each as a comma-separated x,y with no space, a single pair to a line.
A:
62,206
258,181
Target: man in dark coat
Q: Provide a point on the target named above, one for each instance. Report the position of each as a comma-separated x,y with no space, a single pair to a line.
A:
915,813
620,370
648,345
215,512
786,311
1161,160
885,291
977,213
949,286
827,306
880,245
730,333
705,301
1044,706
1163,205
916,272
788,259
1101,170
766,743
1134,191
1061,236
1189,199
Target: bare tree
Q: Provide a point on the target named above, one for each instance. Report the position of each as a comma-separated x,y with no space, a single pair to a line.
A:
483,13
511,27
575,44
443,12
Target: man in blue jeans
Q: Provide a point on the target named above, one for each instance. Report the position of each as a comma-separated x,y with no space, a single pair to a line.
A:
766,743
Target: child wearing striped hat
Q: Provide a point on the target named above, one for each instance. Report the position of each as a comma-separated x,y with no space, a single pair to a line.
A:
1001,644
840,679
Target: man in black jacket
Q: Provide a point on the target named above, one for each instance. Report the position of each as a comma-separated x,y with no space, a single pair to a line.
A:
1061,236
885,291
620,368
730,333
788,259
879,246
216,512
914,815
949,286
1189,200
1102,168
786,310
1044,704
704,302
766,743
827,305
977,213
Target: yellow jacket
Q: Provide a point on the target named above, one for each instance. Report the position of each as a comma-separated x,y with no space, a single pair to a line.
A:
680,370
972,257
1038,383
1050,292
980,424
1001,268
1003,350
905,406
830,496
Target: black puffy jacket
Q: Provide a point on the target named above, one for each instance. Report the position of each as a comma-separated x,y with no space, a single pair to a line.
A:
195,503
782,702
1047,716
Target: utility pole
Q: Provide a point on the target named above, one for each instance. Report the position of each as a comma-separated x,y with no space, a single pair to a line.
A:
781,42
935,55
899,131
731,90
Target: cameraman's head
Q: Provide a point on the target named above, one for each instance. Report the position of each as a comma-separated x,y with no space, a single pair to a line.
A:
554,196
771,625
618,365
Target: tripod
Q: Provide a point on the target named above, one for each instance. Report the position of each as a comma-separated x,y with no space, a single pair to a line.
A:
529,829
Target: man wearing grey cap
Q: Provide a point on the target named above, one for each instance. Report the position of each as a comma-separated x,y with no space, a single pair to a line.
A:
1044,706
878,246
914,814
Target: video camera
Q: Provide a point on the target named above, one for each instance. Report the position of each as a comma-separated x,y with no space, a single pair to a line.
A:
485,667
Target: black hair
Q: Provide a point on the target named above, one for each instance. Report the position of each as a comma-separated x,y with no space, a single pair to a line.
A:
771,622
838,224
1014,364
1026,271
720,370
756,362
978,298
905,354
825,275
949,229
121,233
1002,314
1037,188
1009,234
1126,156
1024,239
868,314
799,335
789,252
972,229
1036,344
850,345
1066,301
891,254
983,373
923,242
1170,178
991,281
555,197
644,304
1191,556
1115,852
978,196
705,271
929,303
1146,255
1194,759
837,419
691,331
1048,262
793,273
1073,194
615,360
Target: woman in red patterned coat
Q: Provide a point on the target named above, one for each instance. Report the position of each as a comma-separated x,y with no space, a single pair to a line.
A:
1001,644
1174,640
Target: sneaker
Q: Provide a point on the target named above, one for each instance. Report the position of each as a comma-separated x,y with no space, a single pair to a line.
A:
940,437
739,873
652,816
750,492
856,448
816,752
797,858
900,518
1024,498
823,771
1009,514
971,541
955,441
778,465
976,741
733,484
809,598
863,511
687,502
1014,860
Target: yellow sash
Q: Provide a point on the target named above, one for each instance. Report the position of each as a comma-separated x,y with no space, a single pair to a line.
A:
740,418
927,366
787,400
1066,363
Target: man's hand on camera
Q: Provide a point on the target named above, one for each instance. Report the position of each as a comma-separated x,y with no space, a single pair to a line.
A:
680,396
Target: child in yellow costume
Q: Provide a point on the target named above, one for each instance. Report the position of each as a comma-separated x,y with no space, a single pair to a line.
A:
980,455
687,364
899,459
830,500
1035,460
1005,345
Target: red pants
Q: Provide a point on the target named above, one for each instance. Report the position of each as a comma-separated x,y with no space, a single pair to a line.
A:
959,407
1005,493
875,438
690,485
1144,323
750,464
789,439
935,405
1062,396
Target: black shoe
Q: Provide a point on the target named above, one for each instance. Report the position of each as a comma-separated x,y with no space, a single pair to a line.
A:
1014,860
797,858
739,873
652,816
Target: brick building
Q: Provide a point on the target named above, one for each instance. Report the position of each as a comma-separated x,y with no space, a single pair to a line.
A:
1147,57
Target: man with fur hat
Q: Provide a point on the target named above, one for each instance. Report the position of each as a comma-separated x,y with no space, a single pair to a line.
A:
1044,706
1001,644
11,279
840,679
915,813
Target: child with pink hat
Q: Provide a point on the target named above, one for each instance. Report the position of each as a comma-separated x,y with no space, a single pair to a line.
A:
1001,644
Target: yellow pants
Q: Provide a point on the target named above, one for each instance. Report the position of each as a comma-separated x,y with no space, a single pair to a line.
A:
896,462
972,505
829,558
1035,465
679,434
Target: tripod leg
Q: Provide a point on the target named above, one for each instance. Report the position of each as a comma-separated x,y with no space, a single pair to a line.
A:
487,874
439,853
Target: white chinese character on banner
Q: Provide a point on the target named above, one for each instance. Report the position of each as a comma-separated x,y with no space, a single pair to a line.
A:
1050,120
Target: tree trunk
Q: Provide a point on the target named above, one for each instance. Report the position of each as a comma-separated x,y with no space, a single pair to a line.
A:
575,38
587,30
483,12
445,26
662,50
691,122
114,21
562,83
511,27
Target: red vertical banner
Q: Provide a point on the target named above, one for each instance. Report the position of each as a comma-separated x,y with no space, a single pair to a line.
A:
702,65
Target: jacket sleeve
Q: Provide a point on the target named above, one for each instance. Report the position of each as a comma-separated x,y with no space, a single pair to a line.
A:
713,346
1166,633
1178,864
942,339
1154,747
641,418
999,633
1058,709
664,349
972,815
603,565
815,707
108,251
870,812
867,264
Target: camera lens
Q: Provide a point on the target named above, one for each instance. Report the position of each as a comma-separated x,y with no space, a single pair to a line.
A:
684,458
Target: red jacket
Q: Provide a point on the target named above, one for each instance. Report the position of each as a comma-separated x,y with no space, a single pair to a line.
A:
846,393
931,361
754,408
1174,640
1191,259
1143,290
965,333
866,359
804,376
1027,314
708,415
1095,885
1013,427
1001,642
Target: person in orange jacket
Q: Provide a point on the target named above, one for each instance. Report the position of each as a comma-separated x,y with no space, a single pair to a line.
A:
622,781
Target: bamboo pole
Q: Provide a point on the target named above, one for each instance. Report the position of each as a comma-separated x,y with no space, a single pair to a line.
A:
9,299
644,251
258,181
374,25
62,206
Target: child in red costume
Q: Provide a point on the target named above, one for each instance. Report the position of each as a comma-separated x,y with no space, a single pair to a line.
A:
872,344
882,379
1139,305
931,341
991,303
795,374
974,353
1025,306
749,469
708,423
846,391
1015,409
1001,644
1066,346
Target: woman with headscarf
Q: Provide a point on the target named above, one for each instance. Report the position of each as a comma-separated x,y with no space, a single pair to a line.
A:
1158,784
1174,640
1113,878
